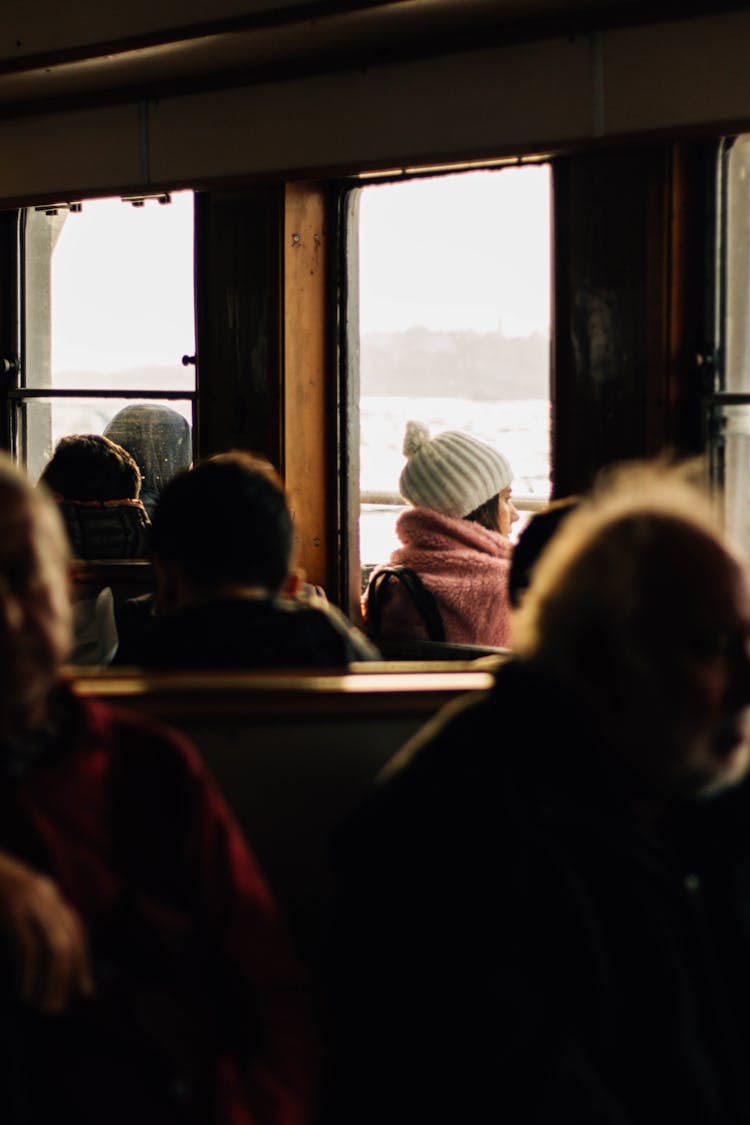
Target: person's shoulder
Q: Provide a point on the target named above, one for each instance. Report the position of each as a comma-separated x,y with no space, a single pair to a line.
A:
472,740
459,728
334,630
456,742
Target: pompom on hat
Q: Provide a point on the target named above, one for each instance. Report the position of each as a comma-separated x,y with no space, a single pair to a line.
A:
453,473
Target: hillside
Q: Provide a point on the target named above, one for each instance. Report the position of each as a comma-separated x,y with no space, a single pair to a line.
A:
422,362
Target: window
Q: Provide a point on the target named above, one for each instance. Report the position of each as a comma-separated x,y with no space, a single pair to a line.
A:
452,287
107,315
729,404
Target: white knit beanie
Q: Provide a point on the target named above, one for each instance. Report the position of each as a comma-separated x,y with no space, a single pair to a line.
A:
452,473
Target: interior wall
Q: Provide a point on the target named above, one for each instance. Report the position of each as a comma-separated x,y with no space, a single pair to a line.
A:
529,97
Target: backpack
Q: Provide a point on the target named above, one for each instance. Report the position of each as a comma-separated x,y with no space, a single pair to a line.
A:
420,595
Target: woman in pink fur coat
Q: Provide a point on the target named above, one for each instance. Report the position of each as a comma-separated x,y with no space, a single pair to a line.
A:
455,536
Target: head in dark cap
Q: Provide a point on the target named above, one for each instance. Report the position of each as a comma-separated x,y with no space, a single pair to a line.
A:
158,438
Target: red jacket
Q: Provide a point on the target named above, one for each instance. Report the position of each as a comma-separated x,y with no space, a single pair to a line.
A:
201,1013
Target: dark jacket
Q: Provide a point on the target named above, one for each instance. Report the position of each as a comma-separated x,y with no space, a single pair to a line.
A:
509,945
247,633
108,529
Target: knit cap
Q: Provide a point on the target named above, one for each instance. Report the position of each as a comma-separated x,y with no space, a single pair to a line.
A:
453,473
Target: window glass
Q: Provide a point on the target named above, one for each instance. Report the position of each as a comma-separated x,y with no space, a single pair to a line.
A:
453,288
108,307
729,405
62,416
736,374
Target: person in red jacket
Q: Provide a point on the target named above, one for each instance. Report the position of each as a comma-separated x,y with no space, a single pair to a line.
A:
146,975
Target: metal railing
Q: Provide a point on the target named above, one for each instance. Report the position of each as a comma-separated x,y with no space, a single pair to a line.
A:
393,500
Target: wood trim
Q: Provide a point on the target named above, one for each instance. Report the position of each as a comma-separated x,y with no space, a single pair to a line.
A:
309,380
238,311
379,689
9,297
692,284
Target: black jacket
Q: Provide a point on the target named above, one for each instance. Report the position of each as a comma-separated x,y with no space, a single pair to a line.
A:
509,945
246,633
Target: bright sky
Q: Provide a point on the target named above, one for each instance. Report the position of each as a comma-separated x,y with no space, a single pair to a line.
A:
462,251
122,286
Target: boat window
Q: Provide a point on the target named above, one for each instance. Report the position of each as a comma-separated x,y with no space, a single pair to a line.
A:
107,315
450,288
728,398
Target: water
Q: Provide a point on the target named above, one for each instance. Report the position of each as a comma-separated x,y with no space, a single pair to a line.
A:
520,429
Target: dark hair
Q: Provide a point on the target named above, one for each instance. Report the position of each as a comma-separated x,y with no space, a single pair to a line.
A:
91,467
226,520
487,514
531,543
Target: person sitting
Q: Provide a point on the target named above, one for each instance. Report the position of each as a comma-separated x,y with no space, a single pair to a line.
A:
96,484
455,536
531,543
145,973
222,541
159,440
542,910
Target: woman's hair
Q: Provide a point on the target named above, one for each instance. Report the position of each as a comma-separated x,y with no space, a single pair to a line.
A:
89,467
487,514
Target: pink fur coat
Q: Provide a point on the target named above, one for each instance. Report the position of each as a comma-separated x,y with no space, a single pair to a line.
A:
465,567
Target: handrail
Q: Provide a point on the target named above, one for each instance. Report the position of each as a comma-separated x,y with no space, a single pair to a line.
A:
365,687
394,500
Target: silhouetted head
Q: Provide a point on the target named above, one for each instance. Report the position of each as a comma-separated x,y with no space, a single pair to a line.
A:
36,624
532,542
91,467
639,607
224,524
158,438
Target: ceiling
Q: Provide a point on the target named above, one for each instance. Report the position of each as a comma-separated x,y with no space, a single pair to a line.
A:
85,52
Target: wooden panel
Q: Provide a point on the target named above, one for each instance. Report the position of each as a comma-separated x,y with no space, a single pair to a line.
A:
8,319
633,305
309,383
415,688
293,755
691,297
127,578
610,226
238,309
